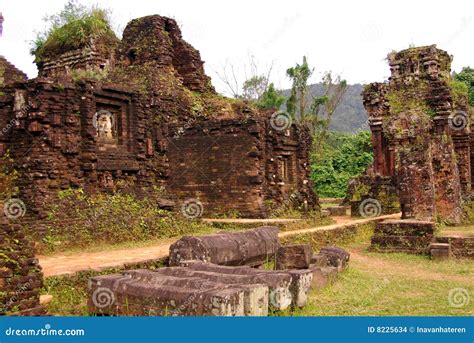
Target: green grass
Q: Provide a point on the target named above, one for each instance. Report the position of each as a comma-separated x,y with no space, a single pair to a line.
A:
359,292
388,284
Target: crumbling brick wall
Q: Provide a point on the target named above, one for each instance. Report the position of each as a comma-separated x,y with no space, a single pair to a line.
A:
20,275
415,139
117,132
9,73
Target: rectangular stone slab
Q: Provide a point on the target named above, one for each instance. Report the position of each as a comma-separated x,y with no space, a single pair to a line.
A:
250,247
279,283
123,295
405,227
298,282
256,295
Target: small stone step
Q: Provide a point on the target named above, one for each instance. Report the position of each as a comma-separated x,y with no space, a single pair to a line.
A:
338,210
440,251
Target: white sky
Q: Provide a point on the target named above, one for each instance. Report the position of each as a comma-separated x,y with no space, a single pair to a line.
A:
348,37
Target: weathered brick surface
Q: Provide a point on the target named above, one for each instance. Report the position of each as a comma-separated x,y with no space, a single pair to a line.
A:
20,274
413,134
165,126
405,235
461,247
128,295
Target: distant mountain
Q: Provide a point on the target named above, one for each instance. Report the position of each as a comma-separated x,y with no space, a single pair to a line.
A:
350,115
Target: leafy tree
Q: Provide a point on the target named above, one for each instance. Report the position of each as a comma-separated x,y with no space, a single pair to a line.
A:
467,77
297,103
72,28
315,112
271,98
341,157
254,87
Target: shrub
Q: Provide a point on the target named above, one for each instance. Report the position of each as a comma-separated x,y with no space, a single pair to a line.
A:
72,28
78,219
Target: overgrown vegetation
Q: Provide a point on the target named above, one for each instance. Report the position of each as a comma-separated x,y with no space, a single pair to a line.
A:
466,76
80,220
314,112
341,157
72,28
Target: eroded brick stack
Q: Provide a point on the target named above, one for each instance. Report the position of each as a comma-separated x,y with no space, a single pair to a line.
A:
409,236
161,109
414,130
20,275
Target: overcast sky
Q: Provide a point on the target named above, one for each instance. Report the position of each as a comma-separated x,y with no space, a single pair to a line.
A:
351,38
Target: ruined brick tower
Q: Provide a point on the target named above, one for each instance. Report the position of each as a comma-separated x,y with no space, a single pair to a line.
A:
420,133
140,112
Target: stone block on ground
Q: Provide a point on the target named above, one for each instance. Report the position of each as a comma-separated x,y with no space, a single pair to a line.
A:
255,294
337,257
405,235
296,256
250,247
405,227
338,210
287,287
440,251
141,294
278,282
461,247
301,280
322,276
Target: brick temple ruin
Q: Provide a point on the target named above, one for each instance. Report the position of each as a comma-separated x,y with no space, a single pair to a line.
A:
140,112
421,134
422,139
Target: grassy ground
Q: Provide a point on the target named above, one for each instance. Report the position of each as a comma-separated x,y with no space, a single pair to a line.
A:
378,284
374,284
463,231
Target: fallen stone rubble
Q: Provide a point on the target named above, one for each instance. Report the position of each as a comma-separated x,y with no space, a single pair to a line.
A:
196,287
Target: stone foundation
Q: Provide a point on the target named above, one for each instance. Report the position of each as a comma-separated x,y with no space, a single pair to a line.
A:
410,236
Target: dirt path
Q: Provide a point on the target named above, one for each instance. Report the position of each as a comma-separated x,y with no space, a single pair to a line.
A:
68,264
